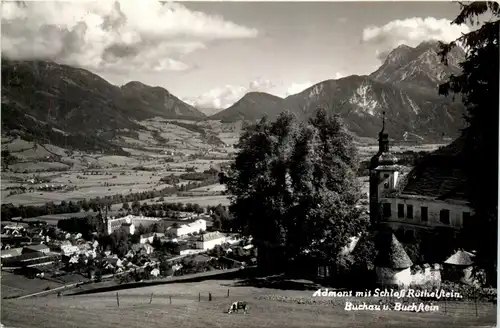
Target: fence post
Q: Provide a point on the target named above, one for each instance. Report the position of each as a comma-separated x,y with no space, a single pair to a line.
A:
117,299
199,297
151,298
170,298
475,302
209,297
228,293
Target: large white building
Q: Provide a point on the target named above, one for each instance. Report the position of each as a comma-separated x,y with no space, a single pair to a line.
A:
68,250
193,227
431,195
210,240
129,223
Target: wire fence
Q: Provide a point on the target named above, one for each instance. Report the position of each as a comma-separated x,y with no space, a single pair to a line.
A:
471,306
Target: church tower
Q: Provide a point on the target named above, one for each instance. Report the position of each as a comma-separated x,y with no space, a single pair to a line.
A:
383,174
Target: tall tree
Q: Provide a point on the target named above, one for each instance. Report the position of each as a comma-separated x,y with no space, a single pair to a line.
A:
326,191
294,188
478,87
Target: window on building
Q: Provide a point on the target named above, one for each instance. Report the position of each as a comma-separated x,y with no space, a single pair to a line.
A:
386,184
424,214
387,210
466,219
444,216
409,211
401,210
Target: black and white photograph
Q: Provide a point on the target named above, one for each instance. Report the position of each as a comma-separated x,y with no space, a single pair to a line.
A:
249,164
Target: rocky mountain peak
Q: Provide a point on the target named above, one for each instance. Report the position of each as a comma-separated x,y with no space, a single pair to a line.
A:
418,67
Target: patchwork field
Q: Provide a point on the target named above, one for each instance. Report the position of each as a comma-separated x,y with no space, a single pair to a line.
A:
149,147
265,310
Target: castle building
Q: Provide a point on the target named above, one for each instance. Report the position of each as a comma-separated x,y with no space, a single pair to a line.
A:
431,195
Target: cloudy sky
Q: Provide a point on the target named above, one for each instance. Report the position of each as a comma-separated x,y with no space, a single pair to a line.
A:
211,53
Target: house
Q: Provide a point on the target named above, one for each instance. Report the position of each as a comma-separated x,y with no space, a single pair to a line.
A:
14,229
129,228
68,250
87,250
210,240
430,195
148,237
28,259
11,252
113,261
193,227
155,272
459,267
36,248
144,249
111,223
182,249
392,264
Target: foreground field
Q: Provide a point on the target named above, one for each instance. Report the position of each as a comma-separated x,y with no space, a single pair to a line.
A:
185,311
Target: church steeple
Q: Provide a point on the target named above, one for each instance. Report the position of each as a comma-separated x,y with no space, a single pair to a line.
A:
383,138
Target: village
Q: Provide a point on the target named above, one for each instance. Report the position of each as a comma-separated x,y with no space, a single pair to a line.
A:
46,253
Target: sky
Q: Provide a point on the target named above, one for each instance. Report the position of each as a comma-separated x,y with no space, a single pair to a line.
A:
210,54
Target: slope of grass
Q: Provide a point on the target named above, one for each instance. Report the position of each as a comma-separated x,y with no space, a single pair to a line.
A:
185,311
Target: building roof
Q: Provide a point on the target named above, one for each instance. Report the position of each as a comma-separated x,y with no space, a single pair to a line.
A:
152,234
461,258
116,223
192,224
12,252
37,247
211,236
138,247
201,258
391,253
439,175
31,256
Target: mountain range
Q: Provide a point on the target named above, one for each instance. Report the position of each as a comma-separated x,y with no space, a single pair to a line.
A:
52,101
405,87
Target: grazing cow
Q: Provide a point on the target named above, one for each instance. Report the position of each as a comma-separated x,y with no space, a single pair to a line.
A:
236,306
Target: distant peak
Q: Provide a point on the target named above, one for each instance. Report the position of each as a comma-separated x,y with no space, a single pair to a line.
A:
428,43
134,84
403,47
260,94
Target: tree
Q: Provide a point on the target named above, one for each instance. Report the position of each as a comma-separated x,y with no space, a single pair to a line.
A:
294,188
156,242
98,275
217,225
85,205
478,87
